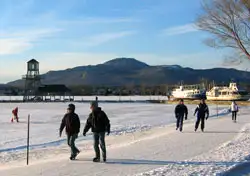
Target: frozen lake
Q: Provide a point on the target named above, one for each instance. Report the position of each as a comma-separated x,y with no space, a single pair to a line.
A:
46,119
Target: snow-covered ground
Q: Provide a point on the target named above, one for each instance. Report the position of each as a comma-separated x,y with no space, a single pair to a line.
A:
143,140
46,118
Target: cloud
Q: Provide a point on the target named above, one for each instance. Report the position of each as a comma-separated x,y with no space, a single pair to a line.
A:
106,37
14,46
177,30
18,42
99,20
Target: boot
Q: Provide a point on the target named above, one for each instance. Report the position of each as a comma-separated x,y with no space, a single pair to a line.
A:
96,159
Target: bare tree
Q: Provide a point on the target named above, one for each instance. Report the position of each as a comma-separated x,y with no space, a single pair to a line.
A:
246,3
229,23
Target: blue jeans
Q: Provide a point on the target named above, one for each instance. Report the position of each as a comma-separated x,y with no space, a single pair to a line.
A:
179,122
99,138
71,142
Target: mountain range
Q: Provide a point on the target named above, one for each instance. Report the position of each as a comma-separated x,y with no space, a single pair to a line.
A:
129,71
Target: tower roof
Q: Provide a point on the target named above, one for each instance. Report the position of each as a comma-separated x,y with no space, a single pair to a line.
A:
33,61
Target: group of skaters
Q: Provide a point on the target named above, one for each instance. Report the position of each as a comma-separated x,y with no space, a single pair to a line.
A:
202,111
99,124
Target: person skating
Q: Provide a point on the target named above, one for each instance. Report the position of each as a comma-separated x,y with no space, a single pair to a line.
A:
202,114
234,109
15,115
72,123
180,111
99,124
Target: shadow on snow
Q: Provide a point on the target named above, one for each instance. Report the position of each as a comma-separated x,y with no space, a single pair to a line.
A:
157,162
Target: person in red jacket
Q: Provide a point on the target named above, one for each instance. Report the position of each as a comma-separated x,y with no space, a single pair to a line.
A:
14,114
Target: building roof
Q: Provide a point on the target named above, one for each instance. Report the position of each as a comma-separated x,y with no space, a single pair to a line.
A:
33,61
55,88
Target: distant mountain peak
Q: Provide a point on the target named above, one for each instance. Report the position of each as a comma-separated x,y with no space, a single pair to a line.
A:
172,66
126,62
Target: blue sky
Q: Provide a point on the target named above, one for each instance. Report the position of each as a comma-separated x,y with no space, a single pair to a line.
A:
61,34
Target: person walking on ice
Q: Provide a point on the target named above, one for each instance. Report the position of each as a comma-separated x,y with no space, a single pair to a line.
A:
234,109
202,114
14,115
99,123
180,111
72,123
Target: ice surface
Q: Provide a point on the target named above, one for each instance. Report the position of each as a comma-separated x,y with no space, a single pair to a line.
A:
143,138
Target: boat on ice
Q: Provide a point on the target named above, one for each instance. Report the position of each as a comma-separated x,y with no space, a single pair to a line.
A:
191,92
224,93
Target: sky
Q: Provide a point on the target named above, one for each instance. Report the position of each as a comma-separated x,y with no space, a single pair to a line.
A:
62,34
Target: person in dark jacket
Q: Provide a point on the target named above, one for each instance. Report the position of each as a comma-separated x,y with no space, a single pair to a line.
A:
202,114
180,111
72,123
99,124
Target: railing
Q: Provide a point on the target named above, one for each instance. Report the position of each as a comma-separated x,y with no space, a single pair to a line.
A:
31,77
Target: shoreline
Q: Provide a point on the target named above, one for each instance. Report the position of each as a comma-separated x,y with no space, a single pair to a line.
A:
190,102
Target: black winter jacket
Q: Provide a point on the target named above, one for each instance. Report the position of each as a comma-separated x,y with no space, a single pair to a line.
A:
202,110
181,110
98,122
72,123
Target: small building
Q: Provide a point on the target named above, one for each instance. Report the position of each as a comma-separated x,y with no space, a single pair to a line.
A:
55,92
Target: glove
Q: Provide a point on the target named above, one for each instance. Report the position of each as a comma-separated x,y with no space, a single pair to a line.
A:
108,133
206,117
84,134
60,134
186,118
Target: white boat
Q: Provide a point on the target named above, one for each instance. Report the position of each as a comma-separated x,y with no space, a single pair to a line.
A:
189,92
230,93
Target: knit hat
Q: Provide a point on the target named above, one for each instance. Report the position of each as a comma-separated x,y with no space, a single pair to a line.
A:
94,104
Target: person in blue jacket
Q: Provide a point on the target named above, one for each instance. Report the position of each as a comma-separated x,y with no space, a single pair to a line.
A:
202,114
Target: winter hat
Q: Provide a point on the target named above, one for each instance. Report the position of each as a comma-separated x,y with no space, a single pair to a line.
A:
71,107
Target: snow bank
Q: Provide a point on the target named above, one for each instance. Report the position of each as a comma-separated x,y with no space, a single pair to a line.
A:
216,162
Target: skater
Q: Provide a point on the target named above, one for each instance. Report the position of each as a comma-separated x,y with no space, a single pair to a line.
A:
72,123
180,111
234,110
202,114
99,123
14,115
